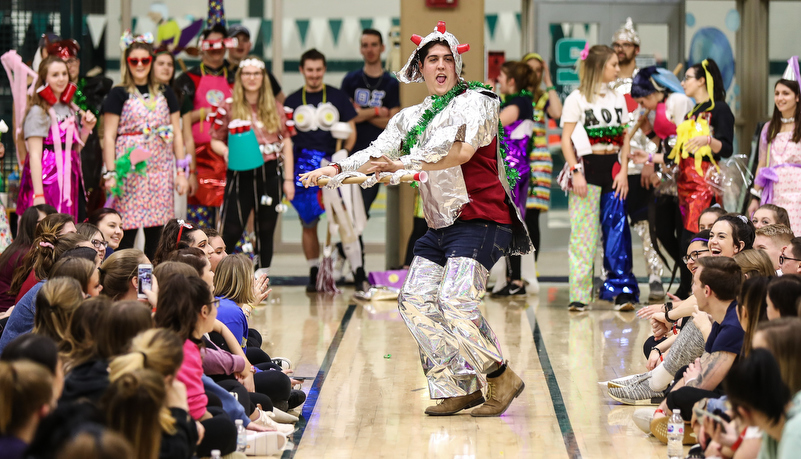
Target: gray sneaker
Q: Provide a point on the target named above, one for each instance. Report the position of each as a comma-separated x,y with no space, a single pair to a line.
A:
637,394
628,380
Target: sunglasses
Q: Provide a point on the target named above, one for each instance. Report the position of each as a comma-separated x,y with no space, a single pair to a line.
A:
693,256
134,61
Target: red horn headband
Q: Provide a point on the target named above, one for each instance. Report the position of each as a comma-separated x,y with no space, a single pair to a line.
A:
416,39
463,48
441,26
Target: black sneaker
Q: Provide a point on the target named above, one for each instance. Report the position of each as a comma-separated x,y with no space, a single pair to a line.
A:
624,302
577,307
296,398
311,287
360,280
511,289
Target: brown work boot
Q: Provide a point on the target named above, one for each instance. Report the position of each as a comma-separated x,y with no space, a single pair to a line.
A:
500,393
453,405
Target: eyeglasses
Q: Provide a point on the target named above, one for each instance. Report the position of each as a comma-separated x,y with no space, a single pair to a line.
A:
622,45
215,303
99,244
688,77
251,74
783,258
134,61
692,256
72,60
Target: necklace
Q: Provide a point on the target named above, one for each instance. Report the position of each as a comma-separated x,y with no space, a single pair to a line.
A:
222,71
303,94
439,103
378,83
523,93
788,120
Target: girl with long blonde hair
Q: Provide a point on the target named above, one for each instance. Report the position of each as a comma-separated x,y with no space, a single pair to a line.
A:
142,125
596,148
252,127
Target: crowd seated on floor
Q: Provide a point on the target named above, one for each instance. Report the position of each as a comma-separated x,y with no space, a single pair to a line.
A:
96,363
726,357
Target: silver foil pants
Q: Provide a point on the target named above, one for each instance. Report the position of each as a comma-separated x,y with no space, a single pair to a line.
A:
440,307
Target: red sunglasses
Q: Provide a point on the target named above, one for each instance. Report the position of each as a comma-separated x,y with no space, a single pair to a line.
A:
134,61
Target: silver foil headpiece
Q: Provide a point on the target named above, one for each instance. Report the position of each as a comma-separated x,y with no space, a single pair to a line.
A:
791,72
627,33
410,73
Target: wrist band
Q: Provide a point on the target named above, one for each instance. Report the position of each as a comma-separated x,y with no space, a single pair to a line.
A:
577,168
38,196
376,111
650,159
551,88
709,140
337,167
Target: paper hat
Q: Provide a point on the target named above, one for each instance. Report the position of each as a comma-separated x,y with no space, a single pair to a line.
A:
410,73
791,73
627,33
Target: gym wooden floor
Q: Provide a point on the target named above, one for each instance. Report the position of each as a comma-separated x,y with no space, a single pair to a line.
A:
366,391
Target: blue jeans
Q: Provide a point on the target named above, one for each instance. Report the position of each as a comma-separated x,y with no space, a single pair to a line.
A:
481,240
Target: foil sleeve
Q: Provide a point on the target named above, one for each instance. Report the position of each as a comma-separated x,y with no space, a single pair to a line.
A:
388,142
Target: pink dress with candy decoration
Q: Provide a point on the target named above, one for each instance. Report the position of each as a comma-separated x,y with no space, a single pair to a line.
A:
147,200
781,179
61,160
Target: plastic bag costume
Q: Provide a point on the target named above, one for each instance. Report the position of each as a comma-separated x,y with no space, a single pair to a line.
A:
440,302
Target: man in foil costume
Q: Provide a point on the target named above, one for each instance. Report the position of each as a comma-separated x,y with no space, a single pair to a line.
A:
642,178
472,223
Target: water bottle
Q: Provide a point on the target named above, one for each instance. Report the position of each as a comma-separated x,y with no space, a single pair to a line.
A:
241,436
675,435
215,454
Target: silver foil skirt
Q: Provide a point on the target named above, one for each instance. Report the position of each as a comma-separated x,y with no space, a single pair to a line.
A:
653,264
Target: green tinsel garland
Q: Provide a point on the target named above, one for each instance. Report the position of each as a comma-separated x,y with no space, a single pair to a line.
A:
439,104
80,98
123,167
607,131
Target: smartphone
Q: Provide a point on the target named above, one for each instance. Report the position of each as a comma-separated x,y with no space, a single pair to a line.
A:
145,277
699,413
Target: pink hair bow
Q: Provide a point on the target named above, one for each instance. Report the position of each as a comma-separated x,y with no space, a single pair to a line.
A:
46,244
586,51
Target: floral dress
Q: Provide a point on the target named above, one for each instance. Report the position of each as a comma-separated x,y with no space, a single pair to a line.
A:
147,200
784,157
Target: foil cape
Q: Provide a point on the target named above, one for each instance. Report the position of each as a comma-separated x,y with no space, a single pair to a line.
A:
471,117
410,73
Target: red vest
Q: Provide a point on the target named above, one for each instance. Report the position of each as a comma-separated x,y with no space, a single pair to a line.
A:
487,196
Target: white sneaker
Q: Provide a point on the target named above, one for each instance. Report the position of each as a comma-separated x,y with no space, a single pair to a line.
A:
283,418
642,419
266,420
284,362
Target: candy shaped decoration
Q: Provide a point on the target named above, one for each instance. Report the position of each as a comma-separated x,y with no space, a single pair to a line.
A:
290,127
46,93
327,116
281,208
305,118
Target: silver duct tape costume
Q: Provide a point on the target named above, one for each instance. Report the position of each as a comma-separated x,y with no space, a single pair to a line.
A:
440,304
440,307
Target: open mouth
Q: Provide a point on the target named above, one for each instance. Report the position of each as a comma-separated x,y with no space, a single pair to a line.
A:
714,251
441,79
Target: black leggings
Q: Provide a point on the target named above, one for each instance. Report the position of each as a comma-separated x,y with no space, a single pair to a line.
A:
248,400
152,236
244,191
220,434
514,271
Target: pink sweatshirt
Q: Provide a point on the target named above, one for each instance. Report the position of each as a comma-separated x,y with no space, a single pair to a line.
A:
190,374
